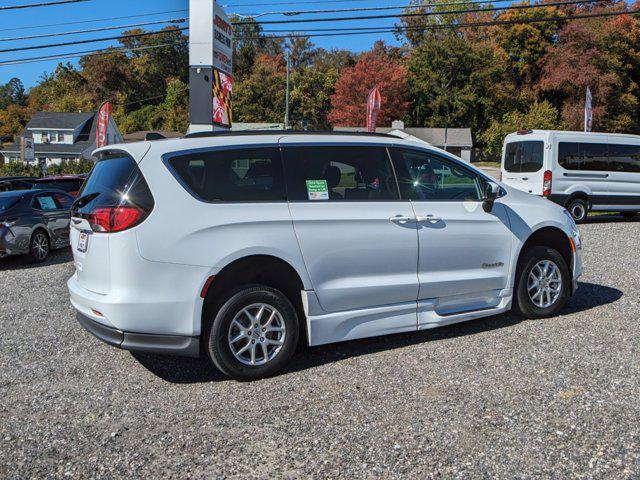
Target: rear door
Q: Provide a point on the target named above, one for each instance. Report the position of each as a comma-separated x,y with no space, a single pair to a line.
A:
54,215
358,239
114,181
523,163
624,172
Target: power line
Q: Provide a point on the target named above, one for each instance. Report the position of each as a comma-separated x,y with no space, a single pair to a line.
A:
79,22
373,30
42,4
101,29
103,39
416,14
273,4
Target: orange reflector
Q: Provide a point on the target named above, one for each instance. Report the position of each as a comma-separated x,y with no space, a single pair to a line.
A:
206,286
96,313
573,245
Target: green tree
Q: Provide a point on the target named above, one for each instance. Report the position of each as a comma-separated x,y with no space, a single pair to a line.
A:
12,92
260,96
540,116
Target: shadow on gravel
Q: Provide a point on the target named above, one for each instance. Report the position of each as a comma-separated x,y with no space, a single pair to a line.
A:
611,218
23,262
187,370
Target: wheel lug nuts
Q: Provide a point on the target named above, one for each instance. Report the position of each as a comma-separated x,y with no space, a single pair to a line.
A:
255,326
264,329
262,339
253,341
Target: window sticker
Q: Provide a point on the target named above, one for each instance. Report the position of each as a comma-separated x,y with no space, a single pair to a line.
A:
47,203
317,190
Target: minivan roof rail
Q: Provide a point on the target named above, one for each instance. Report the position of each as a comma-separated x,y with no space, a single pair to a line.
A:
283,132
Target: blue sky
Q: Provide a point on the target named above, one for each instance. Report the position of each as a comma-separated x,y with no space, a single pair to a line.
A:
14,22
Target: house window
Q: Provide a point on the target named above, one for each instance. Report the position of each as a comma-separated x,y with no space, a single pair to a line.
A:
61,137
44,137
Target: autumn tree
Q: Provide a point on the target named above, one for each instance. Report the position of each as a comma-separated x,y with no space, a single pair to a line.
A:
374,68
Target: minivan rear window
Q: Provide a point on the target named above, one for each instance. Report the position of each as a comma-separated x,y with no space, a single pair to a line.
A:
115,180
234,175
525,156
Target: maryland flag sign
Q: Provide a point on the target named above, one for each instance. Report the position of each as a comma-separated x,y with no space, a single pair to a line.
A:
222,91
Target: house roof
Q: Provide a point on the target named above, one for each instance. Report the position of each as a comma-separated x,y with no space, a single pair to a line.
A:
59,120
456,137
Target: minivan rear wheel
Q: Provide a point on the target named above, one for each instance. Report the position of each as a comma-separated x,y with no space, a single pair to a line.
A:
254,333
543,283
579,209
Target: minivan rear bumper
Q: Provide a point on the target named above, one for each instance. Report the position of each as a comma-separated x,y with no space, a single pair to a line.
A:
163,344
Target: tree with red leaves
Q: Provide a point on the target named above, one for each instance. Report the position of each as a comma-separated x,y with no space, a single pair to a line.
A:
378,67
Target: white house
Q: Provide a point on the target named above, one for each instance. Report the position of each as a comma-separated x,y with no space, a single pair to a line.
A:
61,137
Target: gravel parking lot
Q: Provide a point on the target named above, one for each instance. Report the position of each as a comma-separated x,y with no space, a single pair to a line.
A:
499,397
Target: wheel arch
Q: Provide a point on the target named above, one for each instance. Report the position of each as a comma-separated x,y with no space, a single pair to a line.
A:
254,269
547,236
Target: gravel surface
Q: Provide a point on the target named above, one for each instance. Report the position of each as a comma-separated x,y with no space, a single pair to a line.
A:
498,397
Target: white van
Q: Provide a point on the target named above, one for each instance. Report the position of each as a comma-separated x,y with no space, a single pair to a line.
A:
580,171
240,246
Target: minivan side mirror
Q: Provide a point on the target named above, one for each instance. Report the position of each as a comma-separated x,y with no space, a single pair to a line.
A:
491,192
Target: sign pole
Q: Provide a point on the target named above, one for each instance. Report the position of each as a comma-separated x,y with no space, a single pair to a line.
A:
210,67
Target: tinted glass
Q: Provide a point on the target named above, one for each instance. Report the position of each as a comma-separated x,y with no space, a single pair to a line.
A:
251,175
523,157
63,200
425,176
71,185
583,156
7,203
354,174
115,180
46,202
624,158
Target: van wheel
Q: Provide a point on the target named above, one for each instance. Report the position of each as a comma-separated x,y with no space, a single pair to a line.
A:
543,283
578,208
39,246
254,333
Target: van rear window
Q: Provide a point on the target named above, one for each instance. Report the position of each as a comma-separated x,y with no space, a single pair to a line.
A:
526,156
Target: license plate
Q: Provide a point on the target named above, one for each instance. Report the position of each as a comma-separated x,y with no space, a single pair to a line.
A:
83,242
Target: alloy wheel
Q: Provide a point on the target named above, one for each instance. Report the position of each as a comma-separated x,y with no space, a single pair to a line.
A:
257,334
40,246
544,284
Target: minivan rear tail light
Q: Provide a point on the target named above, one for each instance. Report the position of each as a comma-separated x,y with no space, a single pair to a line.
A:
546,183
114,219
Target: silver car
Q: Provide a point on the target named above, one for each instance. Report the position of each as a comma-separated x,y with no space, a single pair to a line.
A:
34,222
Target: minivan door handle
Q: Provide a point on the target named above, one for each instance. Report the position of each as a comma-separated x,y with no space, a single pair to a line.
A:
401,219
429,219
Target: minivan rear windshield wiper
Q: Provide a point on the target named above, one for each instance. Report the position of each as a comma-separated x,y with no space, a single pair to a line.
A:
82,201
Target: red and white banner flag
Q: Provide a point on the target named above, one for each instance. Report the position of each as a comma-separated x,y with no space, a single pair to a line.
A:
103,125
588,112
374,100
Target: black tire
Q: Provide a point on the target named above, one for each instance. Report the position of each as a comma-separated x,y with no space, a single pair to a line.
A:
522,303
578,208
629,214
39,246
217,338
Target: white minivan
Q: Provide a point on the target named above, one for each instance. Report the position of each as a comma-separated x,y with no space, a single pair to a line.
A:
239,246
580,171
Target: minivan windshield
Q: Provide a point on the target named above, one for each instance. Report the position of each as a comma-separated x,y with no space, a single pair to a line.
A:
524,156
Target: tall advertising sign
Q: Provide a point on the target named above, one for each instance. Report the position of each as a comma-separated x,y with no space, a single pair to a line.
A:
27,149
211,67
588,112
374,100
102,130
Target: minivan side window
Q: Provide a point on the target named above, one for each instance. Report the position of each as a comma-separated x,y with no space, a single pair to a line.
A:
525,156
235,175
583,156
345,173
427,176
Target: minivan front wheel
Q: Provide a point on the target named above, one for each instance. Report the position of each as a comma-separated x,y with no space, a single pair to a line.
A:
578,208
254,333
543,283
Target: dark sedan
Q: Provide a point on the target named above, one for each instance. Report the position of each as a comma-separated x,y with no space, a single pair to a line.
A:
16,183
34,222
67,183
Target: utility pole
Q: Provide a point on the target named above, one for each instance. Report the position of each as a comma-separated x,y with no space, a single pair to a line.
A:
286,114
